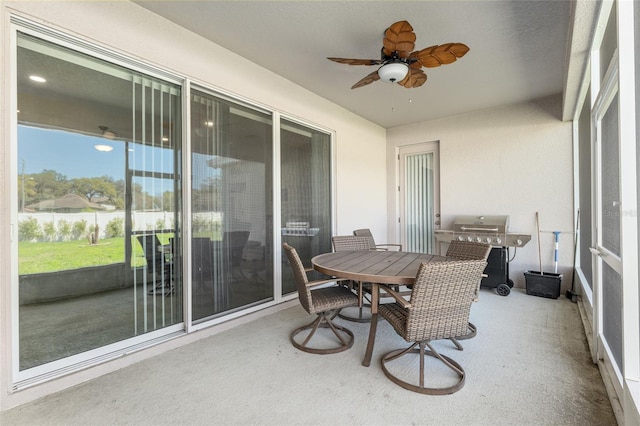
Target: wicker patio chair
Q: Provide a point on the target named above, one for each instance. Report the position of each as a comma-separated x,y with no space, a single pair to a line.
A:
438,308
468,250
353,243
323,302
349,243
372,242
159,266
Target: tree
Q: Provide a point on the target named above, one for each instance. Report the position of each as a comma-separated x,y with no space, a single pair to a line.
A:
167,201
141,200
27,190
49,184
95,188
120,191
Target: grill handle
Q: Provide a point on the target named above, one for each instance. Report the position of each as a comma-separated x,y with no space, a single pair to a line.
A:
467,228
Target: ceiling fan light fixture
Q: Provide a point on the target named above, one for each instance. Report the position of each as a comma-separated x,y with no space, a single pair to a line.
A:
393,72
108,134
397,56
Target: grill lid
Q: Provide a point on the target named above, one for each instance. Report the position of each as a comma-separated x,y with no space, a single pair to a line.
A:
485,224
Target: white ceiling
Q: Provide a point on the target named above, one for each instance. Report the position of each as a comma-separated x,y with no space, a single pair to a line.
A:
518,49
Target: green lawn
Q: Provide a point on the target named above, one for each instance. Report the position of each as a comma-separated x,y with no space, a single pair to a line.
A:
56,256
34,258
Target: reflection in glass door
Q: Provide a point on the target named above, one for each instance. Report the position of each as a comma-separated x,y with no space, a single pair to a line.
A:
231,205
94,139
305,157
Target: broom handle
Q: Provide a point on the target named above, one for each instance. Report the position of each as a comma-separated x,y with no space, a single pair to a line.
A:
575,247
539,243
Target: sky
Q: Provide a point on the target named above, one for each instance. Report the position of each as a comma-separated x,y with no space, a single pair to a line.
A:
71,154
74,155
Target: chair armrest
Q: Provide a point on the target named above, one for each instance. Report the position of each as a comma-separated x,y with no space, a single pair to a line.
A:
327,281
398,297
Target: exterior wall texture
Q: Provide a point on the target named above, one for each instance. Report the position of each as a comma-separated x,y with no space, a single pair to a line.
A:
513,160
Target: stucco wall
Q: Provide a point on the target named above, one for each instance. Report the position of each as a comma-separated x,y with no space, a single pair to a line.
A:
513,160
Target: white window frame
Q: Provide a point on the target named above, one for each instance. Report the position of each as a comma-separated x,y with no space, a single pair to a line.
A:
629,201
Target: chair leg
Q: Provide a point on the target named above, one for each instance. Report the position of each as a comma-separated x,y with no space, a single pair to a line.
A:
454,340
314,327
334,328
421,388
472,331
422,365
323,320
447,361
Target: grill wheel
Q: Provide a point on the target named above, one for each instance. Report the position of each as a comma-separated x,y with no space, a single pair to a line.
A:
503,289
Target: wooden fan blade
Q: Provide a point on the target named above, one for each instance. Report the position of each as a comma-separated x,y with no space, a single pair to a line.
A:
415,78
367,80
434,56
400,38
349,61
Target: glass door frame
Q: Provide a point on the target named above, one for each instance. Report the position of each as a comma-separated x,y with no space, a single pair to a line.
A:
628,27
623,383
602,255
624,264
43,372
278,118
72,364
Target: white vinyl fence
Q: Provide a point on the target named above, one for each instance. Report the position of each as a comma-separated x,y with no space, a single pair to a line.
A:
51,226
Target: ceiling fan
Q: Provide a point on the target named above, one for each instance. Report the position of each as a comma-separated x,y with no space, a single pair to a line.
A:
399,63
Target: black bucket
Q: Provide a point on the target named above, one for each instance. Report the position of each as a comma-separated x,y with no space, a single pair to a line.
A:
543,285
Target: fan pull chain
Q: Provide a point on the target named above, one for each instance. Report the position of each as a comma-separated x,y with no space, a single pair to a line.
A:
393,98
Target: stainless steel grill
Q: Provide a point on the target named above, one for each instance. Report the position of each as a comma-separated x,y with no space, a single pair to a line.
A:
485,229
493,230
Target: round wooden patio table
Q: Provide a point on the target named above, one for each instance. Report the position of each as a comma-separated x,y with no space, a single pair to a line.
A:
375,267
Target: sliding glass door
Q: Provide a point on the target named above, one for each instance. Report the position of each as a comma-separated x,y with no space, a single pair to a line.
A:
232,204
98,155
305,158
99,205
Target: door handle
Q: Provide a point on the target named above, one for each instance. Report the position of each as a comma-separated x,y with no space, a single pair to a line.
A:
595,251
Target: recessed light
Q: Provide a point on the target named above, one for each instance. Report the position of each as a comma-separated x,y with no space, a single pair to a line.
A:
208,123
103,148
37,79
